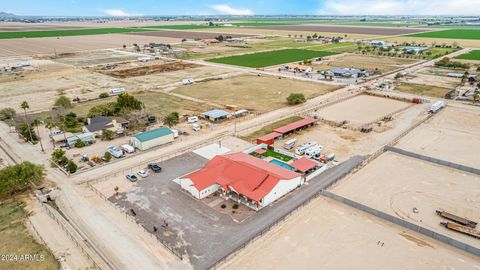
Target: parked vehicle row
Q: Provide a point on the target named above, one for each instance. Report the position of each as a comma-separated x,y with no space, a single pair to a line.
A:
154,167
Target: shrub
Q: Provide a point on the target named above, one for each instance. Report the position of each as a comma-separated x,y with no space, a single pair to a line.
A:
107,156
295,98
79,144
107,135
18,178
63,101
71,166
235,206
7,113
25,130
57,155
223,206
103,95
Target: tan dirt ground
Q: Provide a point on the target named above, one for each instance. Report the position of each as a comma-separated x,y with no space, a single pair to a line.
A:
396,184
451,135
258,93
52,45
383,64
136,69
16,26
329,235
361,109
345,143
422,89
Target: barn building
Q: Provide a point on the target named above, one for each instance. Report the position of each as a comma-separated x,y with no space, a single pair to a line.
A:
155,137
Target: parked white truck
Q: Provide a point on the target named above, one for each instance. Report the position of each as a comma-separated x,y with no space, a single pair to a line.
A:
302,148
437,106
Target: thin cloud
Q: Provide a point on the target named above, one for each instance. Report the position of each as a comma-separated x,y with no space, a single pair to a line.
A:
116,13
228,10
400,7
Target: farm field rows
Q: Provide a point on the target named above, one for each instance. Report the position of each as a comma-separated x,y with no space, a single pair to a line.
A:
265,59
451,34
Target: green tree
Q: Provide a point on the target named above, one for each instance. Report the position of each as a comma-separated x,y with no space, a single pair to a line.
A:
27,132
107,135
63,102
128,102
171,119
70,122
79,144
103,95
71,166
25,106
36,122
107,156
295,98
7,113
106,109
57,154
18,178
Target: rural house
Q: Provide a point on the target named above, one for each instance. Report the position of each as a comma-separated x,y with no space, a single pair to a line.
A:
99,123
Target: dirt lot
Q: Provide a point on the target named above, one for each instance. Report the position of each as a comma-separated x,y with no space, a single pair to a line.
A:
361,109
97,57
396,184
422,89
345,143
256,93
16,26
324,233
185,34
371,63
41,46
388,31
450,135
135,69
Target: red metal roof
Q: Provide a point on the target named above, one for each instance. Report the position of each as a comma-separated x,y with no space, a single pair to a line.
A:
303,164
269,136
295,125
247,175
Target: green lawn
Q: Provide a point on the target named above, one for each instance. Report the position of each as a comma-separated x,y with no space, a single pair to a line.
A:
472,55
270,153
17,241
336,47
451,33
271,58
64,33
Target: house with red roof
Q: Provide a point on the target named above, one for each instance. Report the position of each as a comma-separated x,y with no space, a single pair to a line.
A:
243,178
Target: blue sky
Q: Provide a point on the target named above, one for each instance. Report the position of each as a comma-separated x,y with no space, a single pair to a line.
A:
238,7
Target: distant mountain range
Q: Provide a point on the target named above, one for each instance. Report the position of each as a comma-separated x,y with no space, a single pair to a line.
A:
6,15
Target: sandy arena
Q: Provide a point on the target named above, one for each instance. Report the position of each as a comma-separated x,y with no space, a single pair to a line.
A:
397,184
324,233
361,109
452,135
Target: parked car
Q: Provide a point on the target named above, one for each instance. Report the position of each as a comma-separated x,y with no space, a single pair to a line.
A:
142,173
196,127
187,81
192,119
131,177
115,151
127,148
154,167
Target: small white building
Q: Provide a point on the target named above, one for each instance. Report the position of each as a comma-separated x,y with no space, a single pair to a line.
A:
149,139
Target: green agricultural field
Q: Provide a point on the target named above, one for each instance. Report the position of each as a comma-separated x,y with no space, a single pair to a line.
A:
473,55
64,33
271,58
451,33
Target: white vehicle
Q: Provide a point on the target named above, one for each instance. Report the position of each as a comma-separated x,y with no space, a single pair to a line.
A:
314,151
116,91
302,148
175,133
187,81
144,58
290,144
142,173
115,151
192,119
196,127
437,106
128,148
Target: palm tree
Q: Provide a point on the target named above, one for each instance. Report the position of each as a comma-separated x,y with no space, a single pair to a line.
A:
25,106
36,123
51,125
